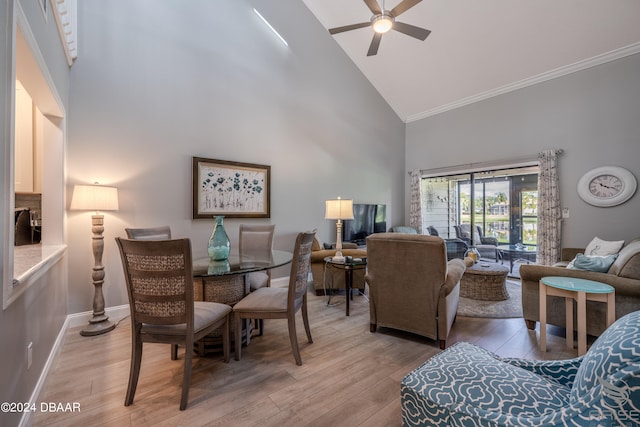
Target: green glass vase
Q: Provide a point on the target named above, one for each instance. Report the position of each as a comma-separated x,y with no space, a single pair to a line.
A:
219,244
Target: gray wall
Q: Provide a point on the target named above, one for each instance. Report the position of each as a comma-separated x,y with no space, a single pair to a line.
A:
39,313
156,83
593,115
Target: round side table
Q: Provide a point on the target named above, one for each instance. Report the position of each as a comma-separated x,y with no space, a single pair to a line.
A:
580,290
348,265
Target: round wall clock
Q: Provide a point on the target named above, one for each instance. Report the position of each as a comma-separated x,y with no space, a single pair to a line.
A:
607,186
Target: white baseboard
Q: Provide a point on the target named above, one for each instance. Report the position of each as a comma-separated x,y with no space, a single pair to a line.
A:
115,314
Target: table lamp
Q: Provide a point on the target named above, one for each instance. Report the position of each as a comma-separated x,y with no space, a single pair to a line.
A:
96,198
338,209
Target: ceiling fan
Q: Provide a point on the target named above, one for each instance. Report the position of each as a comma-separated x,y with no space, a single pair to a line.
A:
383,21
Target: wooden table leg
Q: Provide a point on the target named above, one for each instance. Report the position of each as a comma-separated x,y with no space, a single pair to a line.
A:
582,323
543,317
348,275
568,304
611,308
247,322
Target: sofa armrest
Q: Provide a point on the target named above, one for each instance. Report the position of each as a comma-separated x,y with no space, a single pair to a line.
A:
488,240
569,254
319,256
455,270
345,245
355,253
465,239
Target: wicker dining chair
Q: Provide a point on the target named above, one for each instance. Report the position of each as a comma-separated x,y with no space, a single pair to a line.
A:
281,303
159,279
153,233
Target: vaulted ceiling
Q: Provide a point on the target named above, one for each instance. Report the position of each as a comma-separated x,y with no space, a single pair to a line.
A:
481,48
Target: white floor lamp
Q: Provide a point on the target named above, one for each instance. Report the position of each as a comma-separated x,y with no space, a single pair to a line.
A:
96,198
338,209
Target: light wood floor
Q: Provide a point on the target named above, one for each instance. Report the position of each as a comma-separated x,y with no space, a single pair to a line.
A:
349,376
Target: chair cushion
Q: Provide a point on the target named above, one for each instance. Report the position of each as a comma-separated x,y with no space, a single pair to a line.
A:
477,238
617,348
258,280
264,299
205,313
466,379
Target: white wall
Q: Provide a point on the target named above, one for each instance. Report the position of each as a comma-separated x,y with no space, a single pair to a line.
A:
156,83
594,115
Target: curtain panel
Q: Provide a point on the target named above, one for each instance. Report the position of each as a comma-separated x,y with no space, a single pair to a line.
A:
415,204
549,212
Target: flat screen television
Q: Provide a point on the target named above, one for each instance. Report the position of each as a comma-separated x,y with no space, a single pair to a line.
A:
367,219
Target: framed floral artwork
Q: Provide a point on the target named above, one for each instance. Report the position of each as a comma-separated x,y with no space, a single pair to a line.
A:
231,189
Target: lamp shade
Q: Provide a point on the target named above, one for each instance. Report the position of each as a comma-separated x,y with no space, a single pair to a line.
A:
338,209
94,198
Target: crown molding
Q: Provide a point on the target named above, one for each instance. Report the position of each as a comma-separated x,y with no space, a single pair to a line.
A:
558,72
65,13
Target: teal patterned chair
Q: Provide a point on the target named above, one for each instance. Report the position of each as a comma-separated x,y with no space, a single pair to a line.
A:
466,385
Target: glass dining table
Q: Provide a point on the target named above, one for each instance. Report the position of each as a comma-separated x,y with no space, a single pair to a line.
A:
227,282
234,269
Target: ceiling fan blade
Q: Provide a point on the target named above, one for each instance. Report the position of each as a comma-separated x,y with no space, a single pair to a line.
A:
403,7
348,27
375,43
373,6
411,30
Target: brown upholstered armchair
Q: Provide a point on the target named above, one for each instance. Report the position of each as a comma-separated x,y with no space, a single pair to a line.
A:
334,276
412,286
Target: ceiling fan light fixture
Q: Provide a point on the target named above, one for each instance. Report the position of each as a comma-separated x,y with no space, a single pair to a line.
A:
382,23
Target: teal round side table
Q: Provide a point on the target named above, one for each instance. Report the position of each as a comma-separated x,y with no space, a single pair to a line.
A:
580,290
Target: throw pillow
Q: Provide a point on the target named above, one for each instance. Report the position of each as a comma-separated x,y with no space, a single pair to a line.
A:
600,264
599,247
476,238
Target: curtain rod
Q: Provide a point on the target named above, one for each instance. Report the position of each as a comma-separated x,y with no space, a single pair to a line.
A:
530,160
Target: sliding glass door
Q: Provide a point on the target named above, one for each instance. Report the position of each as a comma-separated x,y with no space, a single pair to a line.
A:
503,203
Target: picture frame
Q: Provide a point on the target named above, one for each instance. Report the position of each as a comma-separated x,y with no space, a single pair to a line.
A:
231,189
